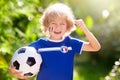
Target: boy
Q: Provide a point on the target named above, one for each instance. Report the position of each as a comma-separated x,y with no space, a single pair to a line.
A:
58,49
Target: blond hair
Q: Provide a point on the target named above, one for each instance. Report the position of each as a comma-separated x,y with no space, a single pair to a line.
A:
58,10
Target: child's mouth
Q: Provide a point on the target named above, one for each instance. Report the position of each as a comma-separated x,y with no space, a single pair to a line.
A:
57,32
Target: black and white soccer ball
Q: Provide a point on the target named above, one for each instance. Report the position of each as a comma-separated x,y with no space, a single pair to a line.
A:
27,60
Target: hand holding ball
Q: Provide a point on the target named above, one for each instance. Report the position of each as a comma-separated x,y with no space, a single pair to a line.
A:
27,60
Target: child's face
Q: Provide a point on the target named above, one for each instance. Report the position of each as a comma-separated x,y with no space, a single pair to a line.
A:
57,28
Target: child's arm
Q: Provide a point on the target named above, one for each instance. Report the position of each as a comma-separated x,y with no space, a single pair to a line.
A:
92,44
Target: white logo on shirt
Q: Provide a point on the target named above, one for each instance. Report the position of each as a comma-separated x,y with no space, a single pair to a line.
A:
64,49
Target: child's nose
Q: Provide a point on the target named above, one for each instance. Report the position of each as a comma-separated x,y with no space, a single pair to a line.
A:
57,27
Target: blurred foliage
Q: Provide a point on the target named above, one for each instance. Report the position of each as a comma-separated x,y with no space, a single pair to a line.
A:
19,26
115,72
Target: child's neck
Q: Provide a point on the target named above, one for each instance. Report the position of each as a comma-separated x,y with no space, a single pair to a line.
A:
56,39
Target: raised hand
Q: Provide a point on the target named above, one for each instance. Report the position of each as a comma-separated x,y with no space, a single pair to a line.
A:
80,23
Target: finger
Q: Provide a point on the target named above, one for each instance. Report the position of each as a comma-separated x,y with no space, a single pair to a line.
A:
24,77
77,22
13,68
80,23
20,75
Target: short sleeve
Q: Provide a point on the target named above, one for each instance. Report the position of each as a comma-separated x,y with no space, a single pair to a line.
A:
35,44
77,45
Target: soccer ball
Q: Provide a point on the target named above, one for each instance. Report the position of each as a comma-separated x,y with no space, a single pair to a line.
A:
27,60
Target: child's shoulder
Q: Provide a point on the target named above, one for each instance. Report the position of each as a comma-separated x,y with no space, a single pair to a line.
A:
74,40
38,41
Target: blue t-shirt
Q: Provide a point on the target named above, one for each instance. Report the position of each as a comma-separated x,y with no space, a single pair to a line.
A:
58,57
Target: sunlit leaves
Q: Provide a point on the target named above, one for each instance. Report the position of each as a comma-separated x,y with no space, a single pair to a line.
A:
89,22
79,32
76,75
3,63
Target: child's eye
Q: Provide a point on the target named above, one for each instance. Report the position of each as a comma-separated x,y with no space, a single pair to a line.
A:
53,23
62,24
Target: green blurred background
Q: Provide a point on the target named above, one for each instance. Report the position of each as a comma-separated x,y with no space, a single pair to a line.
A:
19,26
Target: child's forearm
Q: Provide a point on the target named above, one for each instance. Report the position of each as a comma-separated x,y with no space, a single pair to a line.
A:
92,41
